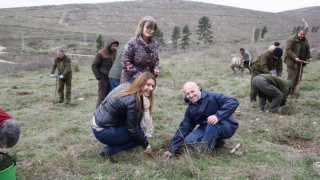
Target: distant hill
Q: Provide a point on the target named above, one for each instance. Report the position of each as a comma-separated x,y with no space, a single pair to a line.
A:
45,28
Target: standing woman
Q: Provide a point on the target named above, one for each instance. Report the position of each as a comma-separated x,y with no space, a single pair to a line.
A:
123,119
141,52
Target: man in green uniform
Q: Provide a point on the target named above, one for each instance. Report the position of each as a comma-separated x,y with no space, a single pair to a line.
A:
63,64
297,50
266,63
273,89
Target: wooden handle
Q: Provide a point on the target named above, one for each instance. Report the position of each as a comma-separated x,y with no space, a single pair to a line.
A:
235,148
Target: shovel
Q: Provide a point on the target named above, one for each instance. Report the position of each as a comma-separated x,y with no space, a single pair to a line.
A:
300,75
233,149
55,92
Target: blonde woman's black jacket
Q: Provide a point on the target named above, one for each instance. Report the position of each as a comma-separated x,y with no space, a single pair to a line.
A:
122,111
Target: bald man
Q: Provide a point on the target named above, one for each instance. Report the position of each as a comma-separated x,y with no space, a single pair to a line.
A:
212,111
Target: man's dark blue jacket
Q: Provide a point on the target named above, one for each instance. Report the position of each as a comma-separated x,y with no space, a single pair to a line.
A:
210,103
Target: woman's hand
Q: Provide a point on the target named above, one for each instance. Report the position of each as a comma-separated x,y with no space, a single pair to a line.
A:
148,150
156,71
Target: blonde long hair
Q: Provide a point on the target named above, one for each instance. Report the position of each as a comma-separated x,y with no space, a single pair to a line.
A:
136,87
150,22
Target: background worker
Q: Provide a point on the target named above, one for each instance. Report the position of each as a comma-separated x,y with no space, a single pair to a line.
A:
246,58
273,89
266,63
101,66
63,64
297,50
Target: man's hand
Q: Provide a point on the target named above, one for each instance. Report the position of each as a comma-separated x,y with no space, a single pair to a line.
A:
273,73
298,60
148,150
213,120
167,154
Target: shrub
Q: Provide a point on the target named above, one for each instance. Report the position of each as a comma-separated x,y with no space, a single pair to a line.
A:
318,55
75,67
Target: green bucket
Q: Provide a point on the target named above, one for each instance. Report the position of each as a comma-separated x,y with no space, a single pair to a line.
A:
8,173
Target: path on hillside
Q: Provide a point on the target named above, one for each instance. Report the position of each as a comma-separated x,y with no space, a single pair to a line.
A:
2,51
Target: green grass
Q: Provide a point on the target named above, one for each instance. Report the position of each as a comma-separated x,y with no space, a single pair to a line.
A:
57,140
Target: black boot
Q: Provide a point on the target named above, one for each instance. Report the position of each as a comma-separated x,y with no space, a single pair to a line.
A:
219,143
104,154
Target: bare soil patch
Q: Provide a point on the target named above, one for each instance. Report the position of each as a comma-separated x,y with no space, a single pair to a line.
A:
300,143
23,93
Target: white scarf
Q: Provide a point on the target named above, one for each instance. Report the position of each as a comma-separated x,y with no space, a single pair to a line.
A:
146,121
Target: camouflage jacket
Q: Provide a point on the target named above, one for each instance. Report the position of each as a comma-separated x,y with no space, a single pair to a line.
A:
293,50
264,63
63,66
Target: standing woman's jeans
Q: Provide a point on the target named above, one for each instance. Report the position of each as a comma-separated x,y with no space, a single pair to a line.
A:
114,82
117,138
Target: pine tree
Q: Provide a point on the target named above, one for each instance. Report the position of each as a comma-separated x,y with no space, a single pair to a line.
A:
159,38
185,37
175,36
256,34
204,31
100,43
263,31
316,29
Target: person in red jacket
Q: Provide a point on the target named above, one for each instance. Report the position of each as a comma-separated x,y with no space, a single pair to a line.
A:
9,130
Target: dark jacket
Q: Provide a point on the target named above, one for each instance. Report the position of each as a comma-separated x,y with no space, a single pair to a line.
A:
116,112
142,57
63,66
210,103
293,50
103,61
264,63
246,56
280,84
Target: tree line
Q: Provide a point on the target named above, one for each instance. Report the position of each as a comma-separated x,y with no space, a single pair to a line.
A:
204,32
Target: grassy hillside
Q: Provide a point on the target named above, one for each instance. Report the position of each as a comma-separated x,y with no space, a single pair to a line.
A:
48,28
57,140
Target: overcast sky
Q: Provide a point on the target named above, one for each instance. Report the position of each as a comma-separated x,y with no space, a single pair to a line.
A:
265,5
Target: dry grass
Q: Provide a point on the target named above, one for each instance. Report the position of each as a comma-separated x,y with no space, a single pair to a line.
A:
57,141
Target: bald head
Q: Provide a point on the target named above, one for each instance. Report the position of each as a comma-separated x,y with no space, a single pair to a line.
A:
189,84
9,133
191,91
